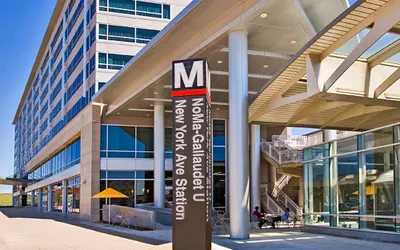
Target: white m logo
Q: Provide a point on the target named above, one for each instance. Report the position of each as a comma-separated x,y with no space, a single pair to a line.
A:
188,80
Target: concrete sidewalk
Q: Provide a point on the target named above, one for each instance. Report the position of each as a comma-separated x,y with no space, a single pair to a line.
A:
28,229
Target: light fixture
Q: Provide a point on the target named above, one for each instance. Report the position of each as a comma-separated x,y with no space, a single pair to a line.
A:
293,42
218,109
147,114
219,62
156,93
263,15
265,66
151,105
118,113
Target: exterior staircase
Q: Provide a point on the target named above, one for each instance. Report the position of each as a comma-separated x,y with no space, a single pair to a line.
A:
283,152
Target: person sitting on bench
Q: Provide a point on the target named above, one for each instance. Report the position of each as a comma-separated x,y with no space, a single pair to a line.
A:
260,217
283,217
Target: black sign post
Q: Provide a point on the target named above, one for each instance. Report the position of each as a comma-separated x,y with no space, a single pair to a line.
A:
192,155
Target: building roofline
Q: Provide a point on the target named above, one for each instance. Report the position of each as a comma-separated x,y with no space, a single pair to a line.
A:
158,38
52,23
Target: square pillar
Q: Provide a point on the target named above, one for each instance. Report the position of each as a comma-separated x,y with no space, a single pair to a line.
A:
255,166
238,136
159,156
49,198
65,197
33,198
90,163
40,199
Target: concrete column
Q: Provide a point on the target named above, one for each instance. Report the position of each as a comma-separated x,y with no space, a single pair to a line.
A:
328,135
301,192
272,177
40,199
255,166
49,198
65,197
90,164
238,136
33,198
386,159
159,156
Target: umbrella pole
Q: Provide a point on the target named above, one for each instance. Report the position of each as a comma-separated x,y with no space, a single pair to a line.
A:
109,211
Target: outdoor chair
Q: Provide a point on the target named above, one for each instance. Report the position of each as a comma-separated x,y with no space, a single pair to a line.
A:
254,221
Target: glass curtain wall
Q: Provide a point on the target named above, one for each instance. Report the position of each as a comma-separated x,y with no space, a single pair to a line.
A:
219,164
74,193
354,182
57,197
137,185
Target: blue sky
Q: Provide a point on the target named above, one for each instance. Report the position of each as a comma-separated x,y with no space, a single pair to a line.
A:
22,25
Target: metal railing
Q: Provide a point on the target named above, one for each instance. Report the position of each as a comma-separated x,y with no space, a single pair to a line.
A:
286,201
268,203
280,154
290,141
283,181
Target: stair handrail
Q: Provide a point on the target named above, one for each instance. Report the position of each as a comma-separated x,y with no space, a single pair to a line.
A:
281,156
287,201
282,182
272,207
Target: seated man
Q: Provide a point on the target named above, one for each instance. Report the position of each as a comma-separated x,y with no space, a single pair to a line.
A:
260,216
283,217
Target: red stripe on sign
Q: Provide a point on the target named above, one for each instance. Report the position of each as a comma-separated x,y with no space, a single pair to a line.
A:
189,92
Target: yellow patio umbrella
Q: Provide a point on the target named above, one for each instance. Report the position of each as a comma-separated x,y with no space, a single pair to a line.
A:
109,193
369,190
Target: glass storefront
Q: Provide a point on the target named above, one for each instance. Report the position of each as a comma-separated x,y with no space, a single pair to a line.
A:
74,194
57,197
137,185
354,182
219,164
44,198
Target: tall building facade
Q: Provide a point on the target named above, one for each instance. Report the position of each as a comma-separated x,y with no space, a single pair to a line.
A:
86,43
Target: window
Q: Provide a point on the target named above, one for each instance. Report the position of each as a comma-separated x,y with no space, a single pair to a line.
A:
116,33
74,63
140,8
91,66
90,13
74,41
219,163
69,8
148,9
145,35
145,142
44,77
55,54
118,6
74,18
74,87
56,72
79,105
44,109
55,92
121,138
58,32
91,38
44,62
43,127
44,93
55,111
112,61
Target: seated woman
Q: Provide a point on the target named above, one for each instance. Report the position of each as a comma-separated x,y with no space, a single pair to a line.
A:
283,217
260,217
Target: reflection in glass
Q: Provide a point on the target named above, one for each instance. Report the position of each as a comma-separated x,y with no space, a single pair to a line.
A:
379,194
318,196
219,191
145,191
145,139
219,132
121,138
57,197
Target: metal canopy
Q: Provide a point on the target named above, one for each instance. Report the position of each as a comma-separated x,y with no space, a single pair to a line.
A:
348,91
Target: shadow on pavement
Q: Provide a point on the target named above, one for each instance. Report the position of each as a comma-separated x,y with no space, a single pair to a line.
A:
32,213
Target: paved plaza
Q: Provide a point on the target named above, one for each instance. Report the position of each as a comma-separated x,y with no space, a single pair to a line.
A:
28,229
